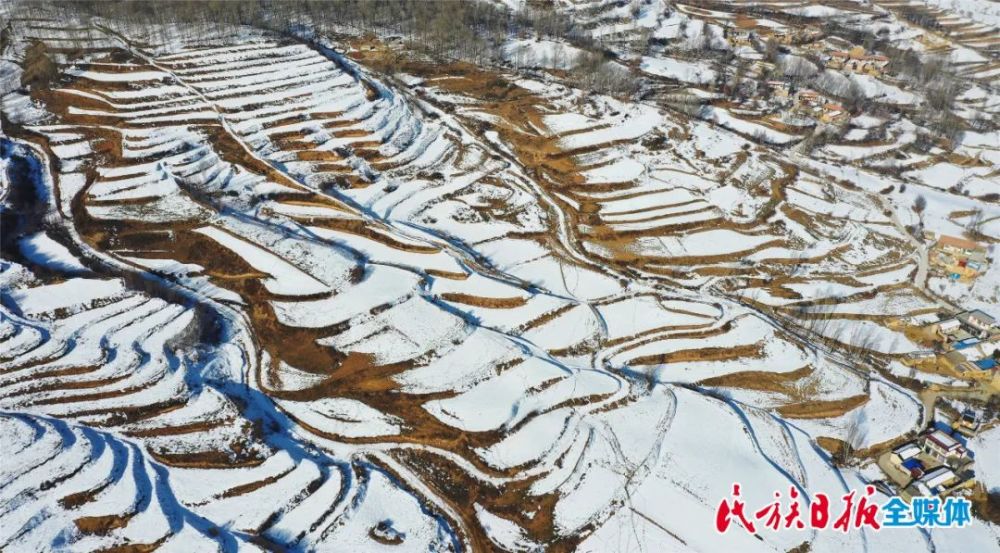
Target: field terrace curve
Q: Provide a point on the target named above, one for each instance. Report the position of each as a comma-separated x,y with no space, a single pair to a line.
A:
285,301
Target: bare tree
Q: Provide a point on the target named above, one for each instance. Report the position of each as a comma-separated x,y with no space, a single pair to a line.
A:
6,37
39,69
975,223
771,50
854,437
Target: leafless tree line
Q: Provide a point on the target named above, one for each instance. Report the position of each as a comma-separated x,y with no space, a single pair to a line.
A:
822,320
465,30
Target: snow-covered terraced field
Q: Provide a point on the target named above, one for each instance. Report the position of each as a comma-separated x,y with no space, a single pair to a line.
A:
265,297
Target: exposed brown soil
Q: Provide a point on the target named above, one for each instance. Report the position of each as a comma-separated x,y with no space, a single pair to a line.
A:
822,409
703,354
479,301
102,524
759,380
833,446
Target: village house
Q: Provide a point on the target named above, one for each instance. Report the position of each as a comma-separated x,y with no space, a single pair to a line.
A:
938,482
956,336
810,103
959,364
957,246
958,258
947,328
779,89
856,60
943,448
904,452
905,459
903,464
973,360
833,113
807,99
923,319
965,329
978,323
967,424
980,360
988,364
790,35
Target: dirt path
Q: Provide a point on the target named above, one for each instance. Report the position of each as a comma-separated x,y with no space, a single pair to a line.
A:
920,280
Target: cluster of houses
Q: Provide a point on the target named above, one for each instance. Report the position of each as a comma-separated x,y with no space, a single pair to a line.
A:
936,464
743,31
958,258
813,104
856,60
966,346
970,342
809,103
